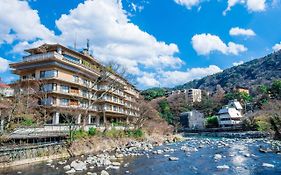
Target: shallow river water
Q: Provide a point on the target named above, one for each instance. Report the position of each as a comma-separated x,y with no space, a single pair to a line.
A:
241,156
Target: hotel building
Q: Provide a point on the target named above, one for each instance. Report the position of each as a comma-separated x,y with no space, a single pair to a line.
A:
70,80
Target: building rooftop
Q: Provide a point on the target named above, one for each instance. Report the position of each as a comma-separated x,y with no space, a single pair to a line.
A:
3,85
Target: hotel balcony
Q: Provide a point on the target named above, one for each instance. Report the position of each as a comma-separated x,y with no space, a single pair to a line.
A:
55,55
42,56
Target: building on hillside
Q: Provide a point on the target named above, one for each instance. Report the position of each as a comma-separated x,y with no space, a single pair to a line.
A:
231,114
6,90
193,95
242,89
69,79
190,95
192,120
235,104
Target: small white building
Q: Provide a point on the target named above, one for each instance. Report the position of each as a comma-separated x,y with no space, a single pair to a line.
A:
192,120
231,115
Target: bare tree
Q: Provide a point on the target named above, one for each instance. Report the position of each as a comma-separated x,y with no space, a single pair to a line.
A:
114,77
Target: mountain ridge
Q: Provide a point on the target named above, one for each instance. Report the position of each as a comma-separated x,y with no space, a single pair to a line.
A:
250,74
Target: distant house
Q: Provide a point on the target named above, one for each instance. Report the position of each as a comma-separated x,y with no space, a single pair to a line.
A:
242,89
6,90
192,119
230,115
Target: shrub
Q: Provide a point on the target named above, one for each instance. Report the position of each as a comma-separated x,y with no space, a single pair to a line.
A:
27,122
92,131
135,133
113,133
212,122
138,133
263,126
78,134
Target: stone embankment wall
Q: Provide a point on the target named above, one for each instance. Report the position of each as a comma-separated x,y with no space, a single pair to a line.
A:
31,154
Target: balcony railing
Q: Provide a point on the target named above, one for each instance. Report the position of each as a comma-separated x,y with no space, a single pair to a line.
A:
42,56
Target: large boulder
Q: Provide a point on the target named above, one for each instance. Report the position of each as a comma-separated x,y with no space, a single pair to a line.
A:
78,165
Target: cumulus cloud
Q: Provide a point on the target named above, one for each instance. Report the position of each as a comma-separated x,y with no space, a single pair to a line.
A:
188,3
148,80
19,22
113,37
204,44
238,63
172,78
4,65
277,47
252,5
240,31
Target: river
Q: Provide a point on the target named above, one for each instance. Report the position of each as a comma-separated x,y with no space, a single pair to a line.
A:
195,156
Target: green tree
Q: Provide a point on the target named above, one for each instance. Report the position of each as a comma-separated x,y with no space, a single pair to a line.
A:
165,111
153,93
276,89
212,122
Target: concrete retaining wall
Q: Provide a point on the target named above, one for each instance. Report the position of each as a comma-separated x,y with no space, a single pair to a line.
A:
31,154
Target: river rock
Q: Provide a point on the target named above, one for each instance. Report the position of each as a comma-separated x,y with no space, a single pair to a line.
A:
268,165
90,173
119,155
217,157
67,167
78,165
173,158
116,163
103,172
72,171
223,167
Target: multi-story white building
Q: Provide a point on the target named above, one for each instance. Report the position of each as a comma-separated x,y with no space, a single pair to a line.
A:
193,95
69,80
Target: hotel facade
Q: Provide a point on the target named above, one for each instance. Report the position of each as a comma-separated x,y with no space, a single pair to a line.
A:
70,81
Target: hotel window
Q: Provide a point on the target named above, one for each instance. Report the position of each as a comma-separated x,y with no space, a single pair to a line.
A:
64,102
75,78
64,89
48,74
115,108
47,101
85,93
71,58
49,87
86,82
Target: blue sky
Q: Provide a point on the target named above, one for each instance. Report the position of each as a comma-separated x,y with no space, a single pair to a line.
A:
162,42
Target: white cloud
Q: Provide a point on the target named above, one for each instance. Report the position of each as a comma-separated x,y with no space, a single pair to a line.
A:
188,3
204,44
4,65
148,80
238,63
19,22
173,78
256,5
277,47
239,31
114,37
252,5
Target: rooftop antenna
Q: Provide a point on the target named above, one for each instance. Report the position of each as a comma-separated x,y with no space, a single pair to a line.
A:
75,42
88,44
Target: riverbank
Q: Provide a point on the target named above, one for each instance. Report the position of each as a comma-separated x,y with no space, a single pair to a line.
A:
83,146
241,135
196,155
